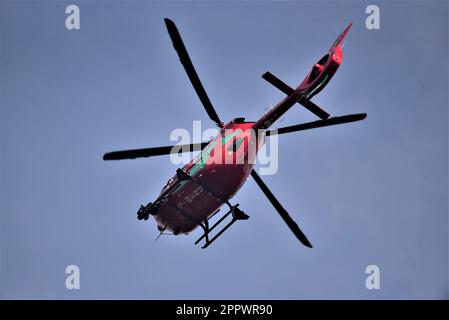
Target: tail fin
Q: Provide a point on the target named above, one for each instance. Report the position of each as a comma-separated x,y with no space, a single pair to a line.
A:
315,81
341,37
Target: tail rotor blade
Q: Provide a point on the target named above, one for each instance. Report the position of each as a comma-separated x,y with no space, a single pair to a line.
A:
280,209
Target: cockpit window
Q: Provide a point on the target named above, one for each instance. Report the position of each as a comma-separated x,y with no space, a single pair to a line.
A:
235,144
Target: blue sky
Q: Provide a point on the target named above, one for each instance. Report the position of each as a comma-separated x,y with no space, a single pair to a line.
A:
373,192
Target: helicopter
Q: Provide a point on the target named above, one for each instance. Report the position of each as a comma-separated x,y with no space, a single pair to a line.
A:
196,193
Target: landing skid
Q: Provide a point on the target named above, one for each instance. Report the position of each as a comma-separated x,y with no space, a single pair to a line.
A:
237,214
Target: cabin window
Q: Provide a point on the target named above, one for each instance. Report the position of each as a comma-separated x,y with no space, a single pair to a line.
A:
235,144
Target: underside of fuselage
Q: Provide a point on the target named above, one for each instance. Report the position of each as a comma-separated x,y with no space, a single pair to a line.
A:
192,202
217,173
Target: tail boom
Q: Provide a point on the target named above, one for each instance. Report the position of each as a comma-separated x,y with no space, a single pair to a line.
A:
318,77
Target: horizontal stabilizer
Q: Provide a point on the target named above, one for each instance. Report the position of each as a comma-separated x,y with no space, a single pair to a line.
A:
278,83
285,88
312,107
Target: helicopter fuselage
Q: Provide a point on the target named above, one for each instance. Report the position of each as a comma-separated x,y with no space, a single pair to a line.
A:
217,173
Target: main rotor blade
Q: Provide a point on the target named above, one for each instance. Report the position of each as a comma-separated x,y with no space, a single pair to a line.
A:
151,152
190,70
280,209
318,124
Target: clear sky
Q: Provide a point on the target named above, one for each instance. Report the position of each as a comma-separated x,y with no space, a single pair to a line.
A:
373,192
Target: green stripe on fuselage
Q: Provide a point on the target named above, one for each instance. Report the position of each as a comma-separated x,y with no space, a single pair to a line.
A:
205,154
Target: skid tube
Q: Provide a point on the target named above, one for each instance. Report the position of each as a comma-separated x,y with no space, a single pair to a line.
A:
237,214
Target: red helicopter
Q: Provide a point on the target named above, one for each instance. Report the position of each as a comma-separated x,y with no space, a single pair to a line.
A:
198,190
